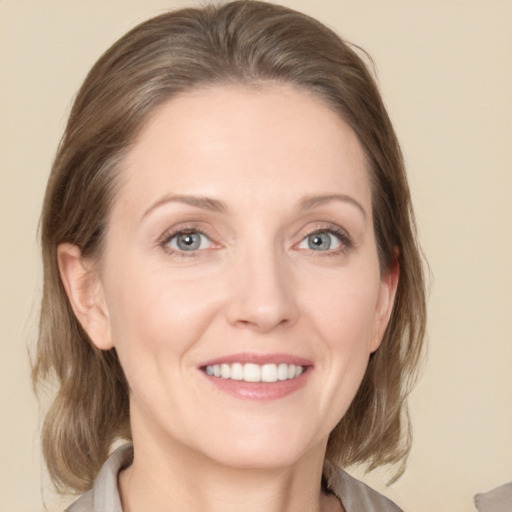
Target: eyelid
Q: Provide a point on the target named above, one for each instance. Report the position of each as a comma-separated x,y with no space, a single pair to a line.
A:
342,234
171,233
173,241
346,241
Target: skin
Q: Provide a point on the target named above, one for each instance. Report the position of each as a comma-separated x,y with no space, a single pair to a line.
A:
254,286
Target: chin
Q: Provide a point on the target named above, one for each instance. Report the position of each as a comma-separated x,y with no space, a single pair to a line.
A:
264,448
257,458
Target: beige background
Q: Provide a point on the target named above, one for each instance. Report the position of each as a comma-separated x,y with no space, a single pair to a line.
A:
445,69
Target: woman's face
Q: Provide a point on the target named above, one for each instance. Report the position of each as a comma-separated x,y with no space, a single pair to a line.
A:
241,244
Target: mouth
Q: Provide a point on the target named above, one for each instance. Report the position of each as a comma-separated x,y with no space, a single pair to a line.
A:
258,376
252,372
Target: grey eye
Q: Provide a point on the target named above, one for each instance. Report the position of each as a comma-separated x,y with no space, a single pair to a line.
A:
319,241
189,241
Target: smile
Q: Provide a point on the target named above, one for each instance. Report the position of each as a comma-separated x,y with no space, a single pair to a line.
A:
251,372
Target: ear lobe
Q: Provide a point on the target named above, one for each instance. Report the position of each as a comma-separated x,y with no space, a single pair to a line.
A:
85,294
386,299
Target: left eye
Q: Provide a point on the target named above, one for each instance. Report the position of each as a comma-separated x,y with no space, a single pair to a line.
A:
321,241
191,241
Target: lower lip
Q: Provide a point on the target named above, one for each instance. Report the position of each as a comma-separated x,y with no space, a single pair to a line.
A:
263,391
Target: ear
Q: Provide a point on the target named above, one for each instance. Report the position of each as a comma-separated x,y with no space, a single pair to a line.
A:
385,301
85,293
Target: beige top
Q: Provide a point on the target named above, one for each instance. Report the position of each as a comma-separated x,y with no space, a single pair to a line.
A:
104,496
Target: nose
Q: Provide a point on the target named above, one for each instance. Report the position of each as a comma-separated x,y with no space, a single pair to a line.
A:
262,297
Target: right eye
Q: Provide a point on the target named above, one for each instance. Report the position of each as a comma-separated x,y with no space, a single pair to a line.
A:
188,241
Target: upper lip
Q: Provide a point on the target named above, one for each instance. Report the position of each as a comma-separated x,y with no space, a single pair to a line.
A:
259,359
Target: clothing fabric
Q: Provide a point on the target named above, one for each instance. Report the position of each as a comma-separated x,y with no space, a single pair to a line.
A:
104,495
496,500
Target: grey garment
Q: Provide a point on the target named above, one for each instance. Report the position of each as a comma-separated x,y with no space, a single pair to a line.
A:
355,495
104,496
497,500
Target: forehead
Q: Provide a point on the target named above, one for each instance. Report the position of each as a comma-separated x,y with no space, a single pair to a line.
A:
272,141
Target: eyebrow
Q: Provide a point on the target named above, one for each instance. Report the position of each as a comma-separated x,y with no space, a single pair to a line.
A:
310,202
205,203
214,205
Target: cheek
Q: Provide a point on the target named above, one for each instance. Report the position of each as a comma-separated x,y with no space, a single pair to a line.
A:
158,316
343,316
347,327
344,308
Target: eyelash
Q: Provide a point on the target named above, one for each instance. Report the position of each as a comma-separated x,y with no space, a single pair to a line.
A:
345,240
170,235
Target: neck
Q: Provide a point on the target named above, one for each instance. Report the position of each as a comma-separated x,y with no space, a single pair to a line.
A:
169,478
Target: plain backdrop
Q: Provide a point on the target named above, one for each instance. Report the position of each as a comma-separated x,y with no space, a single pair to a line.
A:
445,70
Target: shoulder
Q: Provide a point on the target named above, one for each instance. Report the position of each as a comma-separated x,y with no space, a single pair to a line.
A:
104,495
83,504
495,500
356,495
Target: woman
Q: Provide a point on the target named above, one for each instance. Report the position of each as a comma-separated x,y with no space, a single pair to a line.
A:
232,281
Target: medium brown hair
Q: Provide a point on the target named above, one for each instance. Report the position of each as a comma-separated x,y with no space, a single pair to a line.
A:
247,42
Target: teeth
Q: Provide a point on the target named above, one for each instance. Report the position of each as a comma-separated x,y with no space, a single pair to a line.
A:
225,371
251,372
282,371
269,373
237,372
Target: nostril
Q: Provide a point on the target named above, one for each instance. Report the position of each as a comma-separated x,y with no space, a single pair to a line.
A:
262,325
